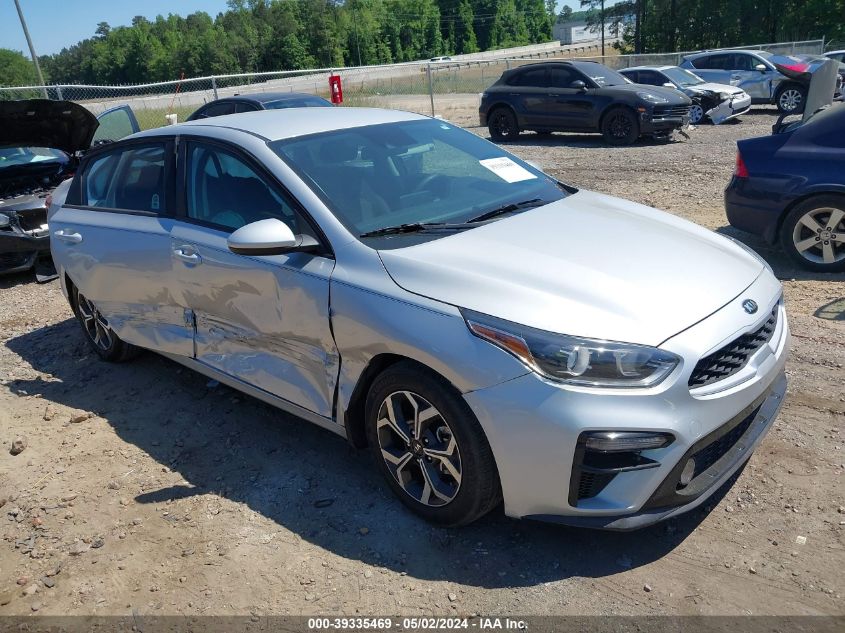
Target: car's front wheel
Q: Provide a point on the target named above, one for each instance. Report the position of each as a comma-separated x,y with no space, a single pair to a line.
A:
620,127
696,113
502,125
813,233
790,99
430,447
98,332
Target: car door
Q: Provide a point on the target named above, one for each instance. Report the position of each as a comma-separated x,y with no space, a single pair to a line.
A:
115,124
570,108
112,238
744,73
261,319
530,95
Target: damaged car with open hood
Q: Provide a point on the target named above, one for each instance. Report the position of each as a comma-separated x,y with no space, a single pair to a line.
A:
40,145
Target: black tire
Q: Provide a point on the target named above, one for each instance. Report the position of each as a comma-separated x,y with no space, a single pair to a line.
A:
502,124
97,332
791,98
476,491
807,242
619,126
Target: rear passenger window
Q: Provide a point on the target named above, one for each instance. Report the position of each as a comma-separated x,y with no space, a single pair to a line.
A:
535,78
132,179
713,62
218,109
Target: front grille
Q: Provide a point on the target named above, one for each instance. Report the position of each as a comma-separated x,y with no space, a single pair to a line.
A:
592,484
713,452
732,357
671,111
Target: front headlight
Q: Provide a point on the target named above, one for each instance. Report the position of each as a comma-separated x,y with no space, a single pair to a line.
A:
573,360
651,98
5,220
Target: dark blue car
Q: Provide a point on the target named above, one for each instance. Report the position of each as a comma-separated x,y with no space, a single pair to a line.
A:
790,188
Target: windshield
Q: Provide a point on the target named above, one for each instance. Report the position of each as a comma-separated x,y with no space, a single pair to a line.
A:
683,77
410,172
603,76
304,102
17,156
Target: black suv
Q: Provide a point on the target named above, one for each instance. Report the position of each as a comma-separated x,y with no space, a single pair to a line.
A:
580,96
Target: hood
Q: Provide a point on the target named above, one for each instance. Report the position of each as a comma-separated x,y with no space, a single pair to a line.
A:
671,94
60,125
713,87
588,265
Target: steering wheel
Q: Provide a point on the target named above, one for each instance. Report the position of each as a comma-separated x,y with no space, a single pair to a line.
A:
425,183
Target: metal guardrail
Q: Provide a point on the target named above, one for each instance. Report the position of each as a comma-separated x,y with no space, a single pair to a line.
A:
411,86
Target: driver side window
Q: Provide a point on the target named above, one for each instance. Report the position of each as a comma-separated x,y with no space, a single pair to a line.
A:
223,190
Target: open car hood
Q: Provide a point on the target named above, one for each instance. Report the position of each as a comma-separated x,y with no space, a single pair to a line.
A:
60,125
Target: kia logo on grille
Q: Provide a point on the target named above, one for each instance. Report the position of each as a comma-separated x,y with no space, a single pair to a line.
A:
750,306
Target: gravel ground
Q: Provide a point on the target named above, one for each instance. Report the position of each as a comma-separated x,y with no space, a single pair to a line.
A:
145,489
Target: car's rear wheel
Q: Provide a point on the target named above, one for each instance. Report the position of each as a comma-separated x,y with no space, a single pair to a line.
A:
429,446
620,127
98,332
813,233
696,113
502,124
790,99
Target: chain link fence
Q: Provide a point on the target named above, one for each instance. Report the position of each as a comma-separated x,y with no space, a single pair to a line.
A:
425,87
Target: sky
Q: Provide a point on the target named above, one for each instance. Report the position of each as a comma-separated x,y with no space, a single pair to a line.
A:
56,24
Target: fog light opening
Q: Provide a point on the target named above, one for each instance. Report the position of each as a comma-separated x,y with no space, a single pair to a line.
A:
687,473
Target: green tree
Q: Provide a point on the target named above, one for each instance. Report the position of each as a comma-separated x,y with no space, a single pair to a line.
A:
15,69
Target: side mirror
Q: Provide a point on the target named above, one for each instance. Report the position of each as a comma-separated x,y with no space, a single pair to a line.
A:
267,237
761,67
578,85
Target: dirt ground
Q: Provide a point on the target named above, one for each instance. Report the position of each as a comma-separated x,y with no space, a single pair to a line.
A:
144,489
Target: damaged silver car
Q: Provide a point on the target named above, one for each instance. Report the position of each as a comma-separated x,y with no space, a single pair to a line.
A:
710,101
40,143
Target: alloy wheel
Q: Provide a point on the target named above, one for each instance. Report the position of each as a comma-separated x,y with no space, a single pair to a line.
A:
96,326
696,113
620,125
819,235
790,100
502,124
419,448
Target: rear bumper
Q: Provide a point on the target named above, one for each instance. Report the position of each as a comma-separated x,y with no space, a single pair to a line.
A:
759,420
751,208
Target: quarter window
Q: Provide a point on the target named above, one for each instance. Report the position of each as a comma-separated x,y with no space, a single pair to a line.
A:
225,191
132,179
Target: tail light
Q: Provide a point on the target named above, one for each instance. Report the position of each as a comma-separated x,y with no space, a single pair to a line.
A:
740,171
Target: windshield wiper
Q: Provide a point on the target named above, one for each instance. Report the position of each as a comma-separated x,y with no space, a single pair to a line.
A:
414,227
508,208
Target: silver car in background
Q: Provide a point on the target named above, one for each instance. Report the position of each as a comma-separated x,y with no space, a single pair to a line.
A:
488,332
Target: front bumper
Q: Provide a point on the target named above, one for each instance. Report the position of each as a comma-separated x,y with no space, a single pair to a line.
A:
20,250
533,426
662,123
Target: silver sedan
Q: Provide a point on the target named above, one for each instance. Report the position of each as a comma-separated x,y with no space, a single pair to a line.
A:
490,333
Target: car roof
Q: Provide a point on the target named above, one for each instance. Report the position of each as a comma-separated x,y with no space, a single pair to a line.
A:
724,50
266,97
273,125
660,68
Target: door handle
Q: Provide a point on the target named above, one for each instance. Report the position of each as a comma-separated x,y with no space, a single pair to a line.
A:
67,236
187,254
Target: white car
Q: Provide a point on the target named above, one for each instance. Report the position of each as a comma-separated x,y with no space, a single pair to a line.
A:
489,332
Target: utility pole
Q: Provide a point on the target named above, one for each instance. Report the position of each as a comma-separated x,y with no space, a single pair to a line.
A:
31,48
602,27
